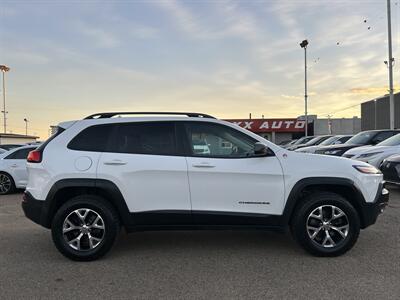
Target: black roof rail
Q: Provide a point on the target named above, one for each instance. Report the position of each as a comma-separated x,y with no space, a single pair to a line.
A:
105,115
113,114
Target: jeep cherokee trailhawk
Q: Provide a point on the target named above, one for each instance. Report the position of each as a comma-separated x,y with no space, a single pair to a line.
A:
145,171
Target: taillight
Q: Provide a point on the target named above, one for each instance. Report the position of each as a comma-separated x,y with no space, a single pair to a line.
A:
34,156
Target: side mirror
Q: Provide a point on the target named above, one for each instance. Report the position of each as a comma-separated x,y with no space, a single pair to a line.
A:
260,149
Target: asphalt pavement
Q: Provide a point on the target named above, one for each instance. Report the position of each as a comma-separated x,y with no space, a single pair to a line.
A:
198,264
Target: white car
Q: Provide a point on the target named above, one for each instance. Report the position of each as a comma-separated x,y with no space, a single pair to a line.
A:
144,173
13,173
375,155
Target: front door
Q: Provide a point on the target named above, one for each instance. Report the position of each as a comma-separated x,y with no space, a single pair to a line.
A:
229,185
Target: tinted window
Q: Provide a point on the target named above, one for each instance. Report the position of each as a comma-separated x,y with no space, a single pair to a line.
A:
20,154
157,138
317,140
380,137
393,141
303,140
344,139
330,141
94,138
214,140
362,138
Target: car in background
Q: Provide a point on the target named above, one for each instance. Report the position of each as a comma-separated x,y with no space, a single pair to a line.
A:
286,142
333,140
7,147
13,172
200,147
286,145
313,142
300,141
375,155
370,137
390,168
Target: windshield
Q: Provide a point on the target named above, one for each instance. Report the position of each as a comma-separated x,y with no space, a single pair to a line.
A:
329,141
303,140
361,138
317,140
393,141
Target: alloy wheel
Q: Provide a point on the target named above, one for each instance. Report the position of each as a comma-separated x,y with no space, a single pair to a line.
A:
83,229
5,184
327,226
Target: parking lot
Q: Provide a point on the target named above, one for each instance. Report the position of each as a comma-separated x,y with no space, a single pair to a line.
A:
202,264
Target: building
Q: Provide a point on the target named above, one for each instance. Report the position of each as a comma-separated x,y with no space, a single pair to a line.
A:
13,138
375,113
279,130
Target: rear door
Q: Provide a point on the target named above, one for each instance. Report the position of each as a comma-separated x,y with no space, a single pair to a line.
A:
228,184
144,161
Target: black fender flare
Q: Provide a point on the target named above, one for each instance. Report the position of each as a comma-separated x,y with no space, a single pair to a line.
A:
293,198
100,186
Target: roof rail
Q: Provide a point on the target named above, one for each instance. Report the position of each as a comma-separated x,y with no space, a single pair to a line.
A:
105,115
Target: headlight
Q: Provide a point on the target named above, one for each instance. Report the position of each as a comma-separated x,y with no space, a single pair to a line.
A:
332,152
367,169
365,155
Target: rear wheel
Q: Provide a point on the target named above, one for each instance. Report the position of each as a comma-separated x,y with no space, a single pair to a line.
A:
326,224
7,185
85,228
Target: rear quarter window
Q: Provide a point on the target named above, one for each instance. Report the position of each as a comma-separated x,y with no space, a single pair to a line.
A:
94,138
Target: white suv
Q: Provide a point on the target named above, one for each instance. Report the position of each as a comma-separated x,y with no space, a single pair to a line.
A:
143,172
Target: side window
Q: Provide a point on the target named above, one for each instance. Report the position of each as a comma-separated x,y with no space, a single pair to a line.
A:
20,154
156,138
94,138
213,140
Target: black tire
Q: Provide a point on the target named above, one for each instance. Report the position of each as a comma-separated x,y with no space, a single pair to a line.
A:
109,221
302,218
7,190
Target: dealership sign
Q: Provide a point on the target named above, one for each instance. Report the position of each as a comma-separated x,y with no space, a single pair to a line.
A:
270,125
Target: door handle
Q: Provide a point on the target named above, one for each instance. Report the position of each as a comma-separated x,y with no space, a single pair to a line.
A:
203,165
115,163
14,166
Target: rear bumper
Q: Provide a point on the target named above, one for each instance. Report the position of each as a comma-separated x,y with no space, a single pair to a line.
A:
33,208
371,211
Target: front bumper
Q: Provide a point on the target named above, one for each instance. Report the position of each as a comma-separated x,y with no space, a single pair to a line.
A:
371,211
32,208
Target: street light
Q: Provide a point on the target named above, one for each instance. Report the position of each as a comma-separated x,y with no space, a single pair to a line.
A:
26,126
304,44
4,69
390,65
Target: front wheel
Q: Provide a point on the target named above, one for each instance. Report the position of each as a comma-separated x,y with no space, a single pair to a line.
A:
326,224
85,228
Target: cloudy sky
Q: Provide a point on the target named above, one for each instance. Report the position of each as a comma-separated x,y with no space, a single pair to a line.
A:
71,58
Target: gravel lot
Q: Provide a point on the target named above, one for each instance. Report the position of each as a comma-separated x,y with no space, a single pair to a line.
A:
201,264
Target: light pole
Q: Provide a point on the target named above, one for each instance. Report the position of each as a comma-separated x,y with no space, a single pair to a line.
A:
390,65
4,69
26,126
304,44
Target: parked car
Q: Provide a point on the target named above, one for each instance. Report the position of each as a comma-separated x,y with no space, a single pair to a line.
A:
391,169
300,141
371,137
286,142
7,147
313,142
144,173
13,173
333,140
375,155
